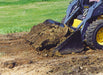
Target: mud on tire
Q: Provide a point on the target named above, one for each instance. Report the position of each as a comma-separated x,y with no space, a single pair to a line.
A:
91,34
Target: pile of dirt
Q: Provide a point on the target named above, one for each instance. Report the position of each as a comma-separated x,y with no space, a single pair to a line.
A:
46,36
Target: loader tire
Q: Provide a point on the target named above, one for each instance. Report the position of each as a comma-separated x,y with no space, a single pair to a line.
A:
94,35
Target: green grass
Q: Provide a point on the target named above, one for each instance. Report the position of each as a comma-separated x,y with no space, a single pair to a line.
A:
19,2
19,17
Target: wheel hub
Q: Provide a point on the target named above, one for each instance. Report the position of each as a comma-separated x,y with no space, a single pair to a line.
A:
99,36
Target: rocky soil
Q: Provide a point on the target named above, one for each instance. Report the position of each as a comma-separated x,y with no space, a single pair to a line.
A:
30,53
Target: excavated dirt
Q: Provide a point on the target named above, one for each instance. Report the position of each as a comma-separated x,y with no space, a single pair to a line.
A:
45,37
31,54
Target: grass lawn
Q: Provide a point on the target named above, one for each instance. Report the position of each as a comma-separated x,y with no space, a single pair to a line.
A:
21,17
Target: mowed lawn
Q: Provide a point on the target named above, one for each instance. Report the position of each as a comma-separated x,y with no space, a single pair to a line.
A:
21,17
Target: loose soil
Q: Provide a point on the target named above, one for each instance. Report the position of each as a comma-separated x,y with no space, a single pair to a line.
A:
31,54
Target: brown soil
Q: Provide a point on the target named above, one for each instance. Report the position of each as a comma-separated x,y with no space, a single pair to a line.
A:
30,54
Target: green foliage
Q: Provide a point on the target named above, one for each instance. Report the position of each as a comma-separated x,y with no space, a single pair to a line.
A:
18,18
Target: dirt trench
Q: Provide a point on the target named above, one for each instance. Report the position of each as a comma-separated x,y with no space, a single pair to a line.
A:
29,53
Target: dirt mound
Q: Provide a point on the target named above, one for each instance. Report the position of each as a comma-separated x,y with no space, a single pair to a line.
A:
45,36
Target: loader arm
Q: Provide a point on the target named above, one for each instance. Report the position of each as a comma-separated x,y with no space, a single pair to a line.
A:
73,8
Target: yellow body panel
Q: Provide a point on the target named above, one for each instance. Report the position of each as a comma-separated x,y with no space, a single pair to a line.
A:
76,23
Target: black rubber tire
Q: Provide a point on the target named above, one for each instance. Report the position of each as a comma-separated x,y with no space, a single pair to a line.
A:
91,33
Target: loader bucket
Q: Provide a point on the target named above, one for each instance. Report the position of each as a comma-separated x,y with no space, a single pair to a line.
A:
72,44
54,22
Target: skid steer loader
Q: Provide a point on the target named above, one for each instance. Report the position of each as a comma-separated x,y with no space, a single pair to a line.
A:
84,19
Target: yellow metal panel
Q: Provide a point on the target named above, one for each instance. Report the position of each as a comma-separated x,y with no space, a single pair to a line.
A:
86,6
100,17
76,23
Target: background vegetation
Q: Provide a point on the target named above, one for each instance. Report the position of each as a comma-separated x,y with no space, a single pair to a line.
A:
21,15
